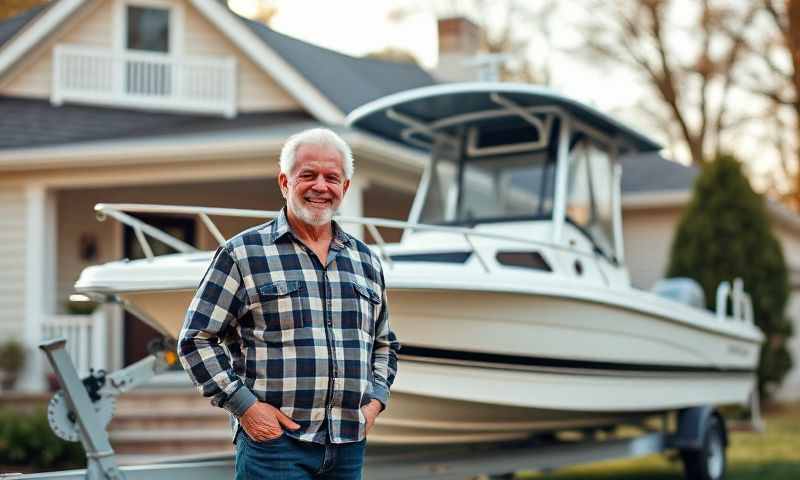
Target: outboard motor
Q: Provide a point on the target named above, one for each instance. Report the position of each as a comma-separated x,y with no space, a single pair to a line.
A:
681,289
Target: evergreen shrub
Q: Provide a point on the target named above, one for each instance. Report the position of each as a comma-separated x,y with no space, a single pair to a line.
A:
725,233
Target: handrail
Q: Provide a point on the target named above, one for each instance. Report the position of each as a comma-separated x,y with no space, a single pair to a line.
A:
116,210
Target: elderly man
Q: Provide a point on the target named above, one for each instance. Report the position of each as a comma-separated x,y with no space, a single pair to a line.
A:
301,307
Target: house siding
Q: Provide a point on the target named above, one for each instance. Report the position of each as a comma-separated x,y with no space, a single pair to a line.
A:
256,91
13,224
790,242
34,77
648,238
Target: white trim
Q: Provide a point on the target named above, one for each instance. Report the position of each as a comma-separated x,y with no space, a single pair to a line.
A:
353,205
36,31
149,151
248,42
194,147
176,25
655,199
35,283
50,254
272,63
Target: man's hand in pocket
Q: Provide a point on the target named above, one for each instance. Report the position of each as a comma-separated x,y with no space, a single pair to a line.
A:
263,422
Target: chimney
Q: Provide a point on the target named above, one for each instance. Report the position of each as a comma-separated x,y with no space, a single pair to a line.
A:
459,43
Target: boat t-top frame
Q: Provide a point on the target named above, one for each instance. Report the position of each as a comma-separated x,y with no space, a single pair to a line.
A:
472,123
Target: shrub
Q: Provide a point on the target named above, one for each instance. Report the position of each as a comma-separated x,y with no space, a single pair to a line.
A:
12,359
26,440
725,233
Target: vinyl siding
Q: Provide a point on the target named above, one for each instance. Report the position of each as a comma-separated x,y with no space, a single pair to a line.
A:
34,76
12,261
256,90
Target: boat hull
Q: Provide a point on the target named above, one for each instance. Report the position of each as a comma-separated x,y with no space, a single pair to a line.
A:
481,366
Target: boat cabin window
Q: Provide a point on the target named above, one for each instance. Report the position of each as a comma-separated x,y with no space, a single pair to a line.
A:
490,188
590,196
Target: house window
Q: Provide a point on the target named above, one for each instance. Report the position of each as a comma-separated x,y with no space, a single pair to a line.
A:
148,32
148,29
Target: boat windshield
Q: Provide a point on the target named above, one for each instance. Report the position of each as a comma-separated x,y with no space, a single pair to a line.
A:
490,189
590,193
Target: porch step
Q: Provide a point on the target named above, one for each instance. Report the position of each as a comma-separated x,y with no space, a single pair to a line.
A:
153,424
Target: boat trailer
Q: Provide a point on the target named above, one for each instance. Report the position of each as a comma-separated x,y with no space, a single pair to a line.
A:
82,409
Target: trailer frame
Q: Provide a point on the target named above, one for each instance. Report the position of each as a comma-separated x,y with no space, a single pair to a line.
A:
500,460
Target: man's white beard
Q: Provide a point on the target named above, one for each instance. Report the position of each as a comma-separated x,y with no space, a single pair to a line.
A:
308,215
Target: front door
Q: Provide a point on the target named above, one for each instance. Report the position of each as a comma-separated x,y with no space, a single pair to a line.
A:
137,334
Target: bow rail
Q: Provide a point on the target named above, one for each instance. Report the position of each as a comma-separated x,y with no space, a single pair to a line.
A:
121,212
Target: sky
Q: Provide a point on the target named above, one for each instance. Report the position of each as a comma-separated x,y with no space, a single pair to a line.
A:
358,27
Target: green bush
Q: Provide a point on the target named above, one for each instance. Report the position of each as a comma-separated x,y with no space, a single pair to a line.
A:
26,440
12,356
724,234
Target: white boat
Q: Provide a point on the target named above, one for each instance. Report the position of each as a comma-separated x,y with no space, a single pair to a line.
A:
509,290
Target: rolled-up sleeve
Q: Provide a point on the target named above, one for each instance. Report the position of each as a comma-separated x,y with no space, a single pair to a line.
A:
217,305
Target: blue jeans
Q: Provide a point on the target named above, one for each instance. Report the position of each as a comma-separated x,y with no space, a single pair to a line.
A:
286,458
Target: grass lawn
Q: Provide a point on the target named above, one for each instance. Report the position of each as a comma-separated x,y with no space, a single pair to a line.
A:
773,455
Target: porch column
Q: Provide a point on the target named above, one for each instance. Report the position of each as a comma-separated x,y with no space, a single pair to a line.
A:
353,205
40,281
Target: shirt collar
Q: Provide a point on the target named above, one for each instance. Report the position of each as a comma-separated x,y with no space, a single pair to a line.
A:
281,227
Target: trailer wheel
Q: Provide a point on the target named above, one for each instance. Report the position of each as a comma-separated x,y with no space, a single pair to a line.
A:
708,462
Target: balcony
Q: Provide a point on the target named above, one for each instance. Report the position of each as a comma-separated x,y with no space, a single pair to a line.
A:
144,80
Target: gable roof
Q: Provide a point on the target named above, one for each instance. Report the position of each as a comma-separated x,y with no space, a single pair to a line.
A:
10,26
326,82
650,172
347,81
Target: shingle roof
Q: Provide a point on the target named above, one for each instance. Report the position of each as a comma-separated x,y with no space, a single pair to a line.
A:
347,81
650,172
29,123
10,26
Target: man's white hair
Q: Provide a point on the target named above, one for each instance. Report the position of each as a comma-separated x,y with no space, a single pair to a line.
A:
316,136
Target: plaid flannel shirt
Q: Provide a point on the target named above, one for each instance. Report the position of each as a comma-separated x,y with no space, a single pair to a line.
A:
312,340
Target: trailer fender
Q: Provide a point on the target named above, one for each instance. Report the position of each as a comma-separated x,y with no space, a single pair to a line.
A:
692,425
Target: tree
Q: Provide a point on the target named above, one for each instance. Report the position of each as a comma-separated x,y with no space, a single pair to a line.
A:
686,54
725,234
773,72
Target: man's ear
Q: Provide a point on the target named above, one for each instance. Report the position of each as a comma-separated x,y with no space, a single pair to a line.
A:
345,186
283,183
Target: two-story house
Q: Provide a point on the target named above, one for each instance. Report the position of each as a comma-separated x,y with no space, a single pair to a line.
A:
184,102
157,101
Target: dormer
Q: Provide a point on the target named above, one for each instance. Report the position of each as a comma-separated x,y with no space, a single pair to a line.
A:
146,65
183,56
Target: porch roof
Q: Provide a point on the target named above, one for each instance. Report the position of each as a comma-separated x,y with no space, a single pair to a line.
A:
32,123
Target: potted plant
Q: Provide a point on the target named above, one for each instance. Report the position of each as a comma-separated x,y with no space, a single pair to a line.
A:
12,359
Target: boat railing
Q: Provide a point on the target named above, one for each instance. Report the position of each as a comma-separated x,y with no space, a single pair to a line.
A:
741,303
122,213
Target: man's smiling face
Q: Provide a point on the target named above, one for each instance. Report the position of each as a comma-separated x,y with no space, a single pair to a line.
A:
316,185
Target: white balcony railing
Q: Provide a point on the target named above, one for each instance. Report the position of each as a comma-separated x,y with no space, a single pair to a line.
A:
86,338
144,80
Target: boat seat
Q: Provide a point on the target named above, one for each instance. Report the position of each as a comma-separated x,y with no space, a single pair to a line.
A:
681,289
